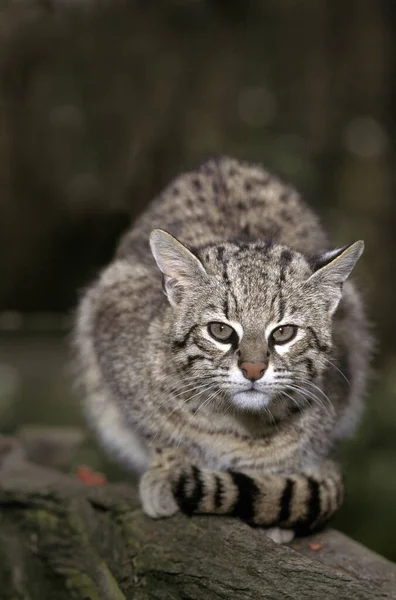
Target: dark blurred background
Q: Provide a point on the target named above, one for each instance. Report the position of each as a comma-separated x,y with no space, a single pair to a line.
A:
101,103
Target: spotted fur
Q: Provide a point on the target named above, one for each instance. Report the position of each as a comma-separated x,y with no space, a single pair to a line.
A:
237,246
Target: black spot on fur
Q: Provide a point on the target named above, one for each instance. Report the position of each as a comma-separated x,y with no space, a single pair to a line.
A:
218,492
197,184
284,197
318,344
286,500
286,257
193,359
282,274
226,277
281,305
211,307
306,525
309,365
248,186
286,216
189,503
199,345
179,489
220,253
179,344
314,506
255,202
247,494
226,307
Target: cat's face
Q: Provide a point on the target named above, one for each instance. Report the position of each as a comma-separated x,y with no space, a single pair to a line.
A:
253,322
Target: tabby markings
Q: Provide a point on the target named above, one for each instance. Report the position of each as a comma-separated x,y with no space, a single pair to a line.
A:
286,500
247,494
189,503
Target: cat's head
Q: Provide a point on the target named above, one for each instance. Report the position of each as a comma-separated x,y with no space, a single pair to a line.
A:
252,321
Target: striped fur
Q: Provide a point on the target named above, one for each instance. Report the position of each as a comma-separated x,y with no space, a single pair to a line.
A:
299,501
171,402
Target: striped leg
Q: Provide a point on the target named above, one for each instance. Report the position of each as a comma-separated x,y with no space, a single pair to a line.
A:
302,502
156,485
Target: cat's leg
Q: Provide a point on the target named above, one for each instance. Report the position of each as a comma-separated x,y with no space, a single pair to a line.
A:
156,485
284,504
300,502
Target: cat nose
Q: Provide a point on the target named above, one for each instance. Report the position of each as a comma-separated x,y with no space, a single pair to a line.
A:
253,370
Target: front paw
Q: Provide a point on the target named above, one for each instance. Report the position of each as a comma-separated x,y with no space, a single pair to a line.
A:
157,485
156,496
171,483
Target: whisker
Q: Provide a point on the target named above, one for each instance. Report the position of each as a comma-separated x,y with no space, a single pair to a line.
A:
337,369
303,379
310,395
204,403
291,398
191,386
308,382
179,405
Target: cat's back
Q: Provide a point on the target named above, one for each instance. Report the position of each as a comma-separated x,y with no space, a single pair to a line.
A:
226,199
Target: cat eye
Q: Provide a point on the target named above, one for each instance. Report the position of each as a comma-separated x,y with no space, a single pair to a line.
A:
222,333
283,334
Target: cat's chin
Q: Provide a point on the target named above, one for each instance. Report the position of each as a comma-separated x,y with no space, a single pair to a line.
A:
251,400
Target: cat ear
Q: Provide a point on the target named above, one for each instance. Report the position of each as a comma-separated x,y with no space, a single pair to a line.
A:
333,268
181,268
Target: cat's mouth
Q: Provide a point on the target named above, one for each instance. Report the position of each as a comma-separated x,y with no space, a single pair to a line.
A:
251,399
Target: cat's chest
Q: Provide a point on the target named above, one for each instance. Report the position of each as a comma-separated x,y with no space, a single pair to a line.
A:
229,444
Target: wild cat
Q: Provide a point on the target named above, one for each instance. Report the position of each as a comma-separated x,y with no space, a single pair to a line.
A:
223,353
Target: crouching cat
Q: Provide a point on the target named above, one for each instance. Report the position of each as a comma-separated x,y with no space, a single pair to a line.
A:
225,364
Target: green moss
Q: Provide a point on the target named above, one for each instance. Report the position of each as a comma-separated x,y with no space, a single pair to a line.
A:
81,583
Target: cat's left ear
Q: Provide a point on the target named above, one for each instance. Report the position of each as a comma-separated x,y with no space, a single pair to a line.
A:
333,268
181,268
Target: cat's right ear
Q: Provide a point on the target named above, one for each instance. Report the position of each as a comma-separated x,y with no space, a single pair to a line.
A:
181,268
333,268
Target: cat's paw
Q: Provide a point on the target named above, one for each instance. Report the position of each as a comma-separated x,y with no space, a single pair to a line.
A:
157,485
156,495
280,536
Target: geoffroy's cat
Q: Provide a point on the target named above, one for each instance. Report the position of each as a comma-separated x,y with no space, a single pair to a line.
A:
224,364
